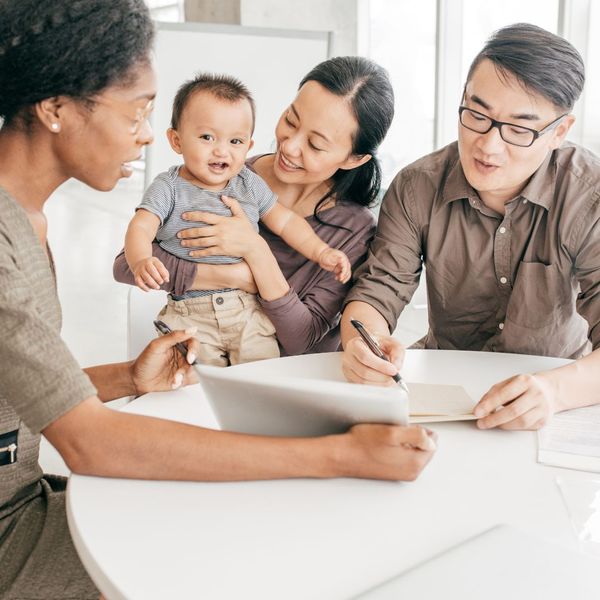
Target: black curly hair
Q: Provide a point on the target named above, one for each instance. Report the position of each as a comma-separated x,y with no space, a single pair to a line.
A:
73,48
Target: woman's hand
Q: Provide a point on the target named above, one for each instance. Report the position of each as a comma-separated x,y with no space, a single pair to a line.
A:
230,236
161,367
360,365
388,451
520,402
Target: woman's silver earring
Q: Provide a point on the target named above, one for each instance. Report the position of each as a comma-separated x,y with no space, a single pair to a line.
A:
55,127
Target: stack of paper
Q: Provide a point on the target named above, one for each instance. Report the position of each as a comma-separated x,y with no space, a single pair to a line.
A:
572,440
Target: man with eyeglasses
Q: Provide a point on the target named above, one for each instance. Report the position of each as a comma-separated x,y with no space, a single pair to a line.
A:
507,223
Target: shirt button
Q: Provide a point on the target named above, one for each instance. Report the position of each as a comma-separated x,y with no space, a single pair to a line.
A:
503,280
219,300
525,201
500,326
502,229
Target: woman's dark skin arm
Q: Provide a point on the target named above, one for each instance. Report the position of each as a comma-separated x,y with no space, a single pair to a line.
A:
96,440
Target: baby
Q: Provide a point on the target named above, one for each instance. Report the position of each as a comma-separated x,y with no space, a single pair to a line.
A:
211,127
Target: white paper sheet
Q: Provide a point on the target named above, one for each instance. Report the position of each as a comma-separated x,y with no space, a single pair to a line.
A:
572,440
430,403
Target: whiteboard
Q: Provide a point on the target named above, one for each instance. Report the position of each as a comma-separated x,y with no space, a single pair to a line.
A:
271,62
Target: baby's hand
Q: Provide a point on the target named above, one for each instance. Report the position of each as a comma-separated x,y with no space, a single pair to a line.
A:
335,260
150,273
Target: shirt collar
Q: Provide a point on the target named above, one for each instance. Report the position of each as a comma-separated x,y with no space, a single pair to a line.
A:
538,190
456,186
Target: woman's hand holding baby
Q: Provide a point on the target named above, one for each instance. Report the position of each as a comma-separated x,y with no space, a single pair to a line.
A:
230,236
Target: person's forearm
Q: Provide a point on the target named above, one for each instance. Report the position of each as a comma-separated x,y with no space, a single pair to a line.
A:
295,232
300,236
576,384
117,444
112,381
367,315
182,272
138,245
268,277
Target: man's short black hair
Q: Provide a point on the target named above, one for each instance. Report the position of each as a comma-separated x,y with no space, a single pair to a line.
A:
223,87
541,61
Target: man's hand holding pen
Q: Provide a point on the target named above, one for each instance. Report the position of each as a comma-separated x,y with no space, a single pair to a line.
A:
362,364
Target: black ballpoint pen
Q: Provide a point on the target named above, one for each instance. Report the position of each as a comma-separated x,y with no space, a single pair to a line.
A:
164,329
375,349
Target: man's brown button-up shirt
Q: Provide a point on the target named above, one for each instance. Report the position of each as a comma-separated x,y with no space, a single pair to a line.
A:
527,281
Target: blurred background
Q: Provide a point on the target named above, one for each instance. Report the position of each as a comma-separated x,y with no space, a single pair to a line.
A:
426,46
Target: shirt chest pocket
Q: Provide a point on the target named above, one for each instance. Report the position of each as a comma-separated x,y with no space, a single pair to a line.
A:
541,296
9,441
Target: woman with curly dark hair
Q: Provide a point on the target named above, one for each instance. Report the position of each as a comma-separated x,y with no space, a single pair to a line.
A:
76,87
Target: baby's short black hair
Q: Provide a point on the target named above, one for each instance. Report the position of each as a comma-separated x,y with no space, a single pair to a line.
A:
223,87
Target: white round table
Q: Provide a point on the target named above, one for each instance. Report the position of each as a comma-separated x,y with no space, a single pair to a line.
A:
310,538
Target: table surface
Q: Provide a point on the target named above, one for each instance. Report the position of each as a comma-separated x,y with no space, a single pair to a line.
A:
309,538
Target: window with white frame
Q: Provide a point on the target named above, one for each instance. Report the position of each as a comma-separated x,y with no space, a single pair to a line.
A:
428,46
589,115
481,19
402,39
166,10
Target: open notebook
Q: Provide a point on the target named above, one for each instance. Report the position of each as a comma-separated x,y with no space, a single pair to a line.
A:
302,406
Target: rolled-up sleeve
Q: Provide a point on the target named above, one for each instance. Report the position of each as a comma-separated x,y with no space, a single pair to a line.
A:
182,273
390,275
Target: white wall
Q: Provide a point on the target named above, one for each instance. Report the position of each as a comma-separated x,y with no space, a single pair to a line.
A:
339,16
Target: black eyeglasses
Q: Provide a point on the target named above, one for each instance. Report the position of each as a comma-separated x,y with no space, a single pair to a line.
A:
509,132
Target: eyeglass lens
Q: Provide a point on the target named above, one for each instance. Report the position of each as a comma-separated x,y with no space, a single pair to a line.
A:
513,134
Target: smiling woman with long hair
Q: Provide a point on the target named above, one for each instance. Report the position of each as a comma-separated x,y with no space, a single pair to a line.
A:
325,169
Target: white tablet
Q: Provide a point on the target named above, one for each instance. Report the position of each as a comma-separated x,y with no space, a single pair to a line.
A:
250,401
